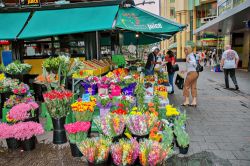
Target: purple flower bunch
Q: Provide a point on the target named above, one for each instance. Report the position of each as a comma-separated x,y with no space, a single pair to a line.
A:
21,130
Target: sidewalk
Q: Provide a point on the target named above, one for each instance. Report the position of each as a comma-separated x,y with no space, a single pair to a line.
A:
221,121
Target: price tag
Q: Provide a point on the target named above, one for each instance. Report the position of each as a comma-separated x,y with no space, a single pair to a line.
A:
86,97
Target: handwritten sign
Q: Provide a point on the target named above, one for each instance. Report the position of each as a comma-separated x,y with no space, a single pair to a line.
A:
86,97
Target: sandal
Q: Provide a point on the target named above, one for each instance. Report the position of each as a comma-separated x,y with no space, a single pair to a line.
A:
185,105
193,105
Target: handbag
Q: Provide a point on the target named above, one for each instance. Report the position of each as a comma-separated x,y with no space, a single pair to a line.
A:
175,67
198,68
179,81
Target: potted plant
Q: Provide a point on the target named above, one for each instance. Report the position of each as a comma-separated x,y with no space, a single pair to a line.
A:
58,105
5,133
26,132
104,103
182,140
96,150
76,132
167,134
125,152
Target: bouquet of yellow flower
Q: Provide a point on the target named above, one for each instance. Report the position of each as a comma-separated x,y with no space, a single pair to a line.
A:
83,111
171,111
96,150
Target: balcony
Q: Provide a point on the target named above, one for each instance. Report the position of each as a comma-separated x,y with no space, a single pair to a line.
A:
229,4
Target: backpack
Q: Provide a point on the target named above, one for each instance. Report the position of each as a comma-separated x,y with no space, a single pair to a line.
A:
199,68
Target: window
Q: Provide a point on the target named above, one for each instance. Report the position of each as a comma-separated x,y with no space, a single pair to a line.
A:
172,12
172,1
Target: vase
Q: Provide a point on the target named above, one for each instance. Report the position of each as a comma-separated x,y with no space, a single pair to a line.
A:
75,152
59,134
183,150
13,143
29,144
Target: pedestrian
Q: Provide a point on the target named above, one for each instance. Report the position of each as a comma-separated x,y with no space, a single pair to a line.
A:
170,59
191,78
152,61
205,57
229,63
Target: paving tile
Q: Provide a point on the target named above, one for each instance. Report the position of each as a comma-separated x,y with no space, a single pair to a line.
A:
224,154
242,155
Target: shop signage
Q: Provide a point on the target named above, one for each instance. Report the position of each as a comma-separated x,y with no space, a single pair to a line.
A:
29,3
4,42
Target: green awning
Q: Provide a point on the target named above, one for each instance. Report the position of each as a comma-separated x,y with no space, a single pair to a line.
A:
11,24
143,39
139,20
69,21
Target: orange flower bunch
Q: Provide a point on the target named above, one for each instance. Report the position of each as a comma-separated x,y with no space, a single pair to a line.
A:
151,109
154,135
46,79
81,106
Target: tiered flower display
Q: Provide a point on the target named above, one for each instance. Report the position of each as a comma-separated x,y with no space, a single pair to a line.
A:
58,102
125,152
96,150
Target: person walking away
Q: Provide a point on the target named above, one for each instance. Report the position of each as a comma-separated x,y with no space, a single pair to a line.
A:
170,59
191,78
229,62
204,54
152,61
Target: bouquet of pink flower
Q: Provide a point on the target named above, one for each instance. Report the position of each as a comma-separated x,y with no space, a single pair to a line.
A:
77,131
5,131
58,102
152,153
21,89
125,152
96,150
22,111
21,130
140,125
111,125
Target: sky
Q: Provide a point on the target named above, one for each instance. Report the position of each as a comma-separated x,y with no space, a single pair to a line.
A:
154,8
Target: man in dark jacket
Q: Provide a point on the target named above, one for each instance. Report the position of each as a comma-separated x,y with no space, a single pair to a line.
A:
152,61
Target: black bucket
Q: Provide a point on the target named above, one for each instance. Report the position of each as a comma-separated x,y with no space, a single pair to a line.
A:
183,150
13,143
75,152
59,134
29,144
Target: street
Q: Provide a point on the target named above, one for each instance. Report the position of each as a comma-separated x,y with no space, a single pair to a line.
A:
221,121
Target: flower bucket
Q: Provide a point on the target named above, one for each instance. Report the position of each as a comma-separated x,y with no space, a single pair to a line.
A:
75,152
12,143
104,111
29,144
183,150
138,138
59,133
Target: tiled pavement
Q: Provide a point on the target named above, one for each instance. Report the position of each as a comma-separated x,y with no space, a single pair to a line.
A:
221,121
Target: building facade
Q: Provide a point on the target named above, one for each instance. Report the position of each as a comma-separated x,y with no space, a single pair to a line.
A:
193,13
233,23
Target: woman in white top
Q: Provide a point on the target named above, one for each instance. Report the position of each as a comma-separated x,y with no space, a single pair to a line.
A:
191,78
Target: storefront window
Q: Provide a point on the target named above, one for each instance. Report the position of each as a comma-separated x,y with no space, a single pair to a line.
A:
70,45
172,12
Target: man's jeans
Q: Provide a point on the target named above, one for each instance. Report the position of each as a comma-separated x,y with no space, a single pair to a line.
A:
232,75
171,80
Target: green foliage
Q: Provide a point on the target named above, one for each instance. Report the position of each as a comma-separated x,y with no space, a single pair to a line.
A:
16,68
167,136
156,102
140,95
183,138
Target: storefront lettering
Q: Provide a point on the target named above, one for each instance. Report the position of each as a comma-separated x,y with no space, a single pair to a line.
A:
154,26
33,2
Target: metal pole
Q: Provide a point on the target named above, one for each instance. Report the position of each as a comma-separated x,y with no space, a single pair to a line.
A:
97,45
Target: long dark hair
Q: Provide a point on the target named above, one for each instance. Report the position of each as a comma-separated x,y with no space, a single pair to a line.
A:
170,54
